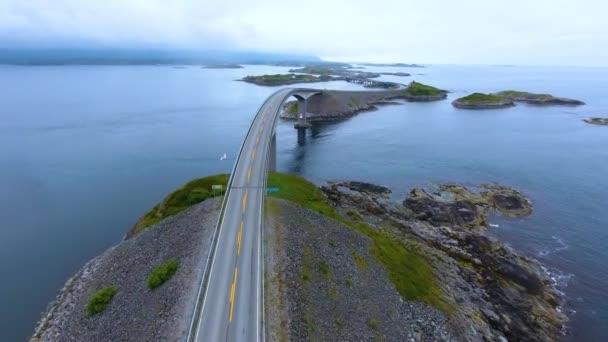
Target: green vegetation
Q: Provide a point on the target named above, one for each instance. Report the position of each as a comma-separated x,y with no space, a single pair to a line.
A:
419,89
476,98
281,79
183,198
514,94
162,273
292,107
332,293
310,323
409,272
324,268
466,264
100,300
373,324
306,271
361,263
348,282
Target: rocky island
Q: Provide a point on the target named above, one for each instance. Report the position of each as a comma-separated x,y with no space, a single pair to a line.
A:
597,121
483,101
419,92
342,262
507,98
538,99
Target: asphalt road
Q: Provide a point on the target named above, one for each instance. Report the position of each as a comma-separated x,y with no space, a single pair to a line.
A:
232,303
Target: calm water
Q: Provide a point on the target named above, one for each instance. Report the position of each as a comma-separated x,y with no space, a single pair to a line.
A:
84,151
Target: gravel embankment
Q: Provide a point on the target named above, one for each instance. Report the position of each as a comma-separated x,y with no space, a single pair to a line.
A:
137,313
322,285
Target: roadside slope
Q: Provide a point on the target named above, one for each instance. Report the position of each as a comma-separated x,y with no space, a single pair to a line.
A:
137,313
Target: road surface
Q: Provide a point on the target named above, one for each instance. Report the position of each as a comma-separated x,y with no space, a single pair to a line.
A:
231,308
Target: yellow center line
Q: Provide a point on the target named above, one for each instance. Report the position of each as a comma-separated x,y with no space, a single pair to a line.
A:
232,292
257,140
253,153
245,199
249,174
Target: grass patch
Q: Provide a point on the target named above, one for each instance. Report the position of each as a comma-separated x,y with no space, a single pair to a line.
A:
419,89
481,98
408,271
292,107
373,324
332,293
181,199
348,282
310,323
361,263
324,268
466,264
162,273
306,271
523,95
100,300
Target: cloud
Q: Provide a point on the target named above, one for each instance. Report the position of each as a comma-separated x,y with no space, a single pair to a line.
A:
431,31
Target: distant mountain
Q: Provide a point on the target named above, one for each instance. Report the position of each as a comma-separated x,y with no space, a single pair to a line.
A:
101,56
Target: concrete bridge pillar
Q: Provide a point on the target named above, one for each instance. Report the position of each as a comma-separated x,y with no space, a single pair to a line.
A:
302,111
272,157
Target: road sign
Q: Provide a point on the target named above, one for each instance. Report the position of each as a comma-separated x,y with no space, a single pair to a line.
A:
216,187
272,189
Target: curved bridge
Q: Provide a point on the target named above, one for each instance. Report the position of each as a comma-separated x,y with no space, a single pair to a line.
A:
230,301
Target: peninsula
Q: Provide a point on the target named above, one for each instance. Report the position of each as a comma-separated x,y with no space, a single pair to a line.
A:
343,262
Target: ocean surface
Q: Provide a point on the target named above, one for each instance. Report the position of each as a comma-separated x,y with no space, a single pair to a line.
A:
86,150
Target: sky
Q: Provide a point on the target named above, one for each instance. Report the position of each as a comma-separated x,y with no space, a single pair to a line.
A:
530,32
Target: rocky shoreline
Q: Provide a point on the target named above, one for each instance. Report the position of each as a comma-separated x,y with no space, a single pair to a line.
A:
323,278
499,294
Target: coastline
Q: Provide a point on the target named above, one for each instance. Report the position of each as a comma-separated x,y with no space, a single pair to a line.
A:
457,266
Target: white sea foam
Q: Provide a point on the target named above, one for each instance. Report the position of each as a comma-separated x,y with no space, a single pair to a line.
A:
557,246
559,279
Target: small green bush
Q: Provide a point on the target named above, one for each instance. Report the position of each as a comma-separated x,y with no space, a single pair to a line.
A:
162,273
373,324
100,300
